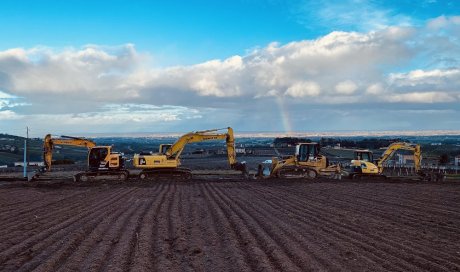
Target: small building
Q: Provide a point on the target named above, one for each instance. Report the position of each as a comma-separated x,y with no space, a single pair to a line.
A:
457,161
240,150
405,159
21,164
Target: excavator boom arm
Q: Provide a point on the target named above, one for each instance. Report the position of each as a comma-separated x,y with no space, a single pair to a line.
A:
401,146
200,136
49,143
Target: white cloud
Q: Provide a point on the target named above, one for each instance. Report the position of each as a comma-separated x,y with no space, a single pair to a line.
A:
9,115
375,89
421,77
302,89
442,22
346,87
421,97
333,69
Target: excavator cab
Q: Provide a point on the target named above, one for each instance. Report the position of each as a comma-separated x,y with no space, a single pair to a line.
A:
362,164
307,151
102,158
97,158
363,155
164,147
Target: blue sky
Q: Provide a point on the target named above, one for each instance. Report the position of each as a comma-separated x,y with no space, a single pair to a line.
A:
140,66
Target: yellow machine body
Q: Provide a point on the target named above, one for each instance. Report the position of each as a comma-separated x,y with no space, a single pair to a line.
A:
101,161
307,162
363,164
168,156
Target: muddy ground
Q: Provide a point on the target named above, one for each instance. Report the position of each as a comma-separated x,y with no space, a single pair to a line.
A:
230,225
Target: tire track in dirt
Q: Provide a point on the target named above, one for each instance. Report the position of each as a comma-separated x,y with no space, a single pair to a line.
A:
28,248
221,247
262,240
143,258
24,225
430,202
27,228
72,260
420,205
415,222
56,254
234,239
420,251
38,206
162,239
300,238
332,230
409,218
381,210
43,248
102,250
196,233
392,248
121,254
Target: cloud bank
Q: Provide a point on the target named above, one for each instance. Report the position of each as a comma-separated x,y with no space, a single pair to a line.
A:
391,68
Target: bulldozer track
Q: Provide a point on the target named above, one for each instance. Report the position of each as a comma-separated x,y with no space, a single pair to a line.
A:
230,225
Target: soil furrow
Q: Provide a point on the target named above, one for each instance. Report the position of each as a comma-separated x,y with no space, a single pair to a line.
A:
235,237
103,249
121,254
28,247
74,260
391,247
31,208
262,239
41,219
415,244
143,258
323,249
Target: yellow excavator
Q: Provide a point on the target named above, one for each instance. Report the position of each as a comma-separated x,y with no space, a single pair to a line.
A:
306,163
363,165
166,163
102,161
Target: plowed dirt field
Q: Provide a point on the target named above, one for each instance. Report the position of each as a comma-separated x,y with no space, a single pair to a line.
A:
211,225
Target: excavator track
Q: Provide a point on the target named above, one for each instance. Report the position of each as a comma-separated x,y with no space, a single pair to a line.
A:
119,175
166,173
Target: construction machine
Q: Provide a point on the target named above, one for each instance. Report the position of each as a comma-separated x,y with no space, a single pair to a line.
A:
363,164
102,161
166,163
307,162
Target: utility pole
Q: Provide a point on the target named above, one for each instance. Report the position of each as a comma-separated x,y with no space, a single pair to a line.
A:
26,152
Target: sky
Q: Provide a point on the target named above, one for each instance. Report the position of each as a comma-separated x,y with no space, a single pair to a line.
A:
85,67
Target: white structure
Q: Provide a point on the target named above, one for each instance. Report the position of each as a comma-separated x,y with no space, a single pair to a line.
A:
30,164
457,161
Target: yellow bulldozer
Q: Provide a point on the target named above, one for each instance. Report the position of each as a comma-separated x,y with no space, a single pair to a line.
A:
307,162
101,161
166,163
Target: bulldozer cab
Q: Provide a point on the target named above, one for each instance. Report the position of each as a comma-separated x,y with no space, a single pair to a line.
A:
307,151
363,155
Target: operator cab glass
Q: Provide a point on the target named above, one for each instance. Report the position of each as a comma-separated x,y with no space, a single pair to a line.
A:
164,148
96,156
307,152
363,156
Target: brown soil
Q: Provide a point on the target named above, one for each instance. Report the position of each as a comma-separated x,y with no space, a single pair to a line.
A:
211,225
